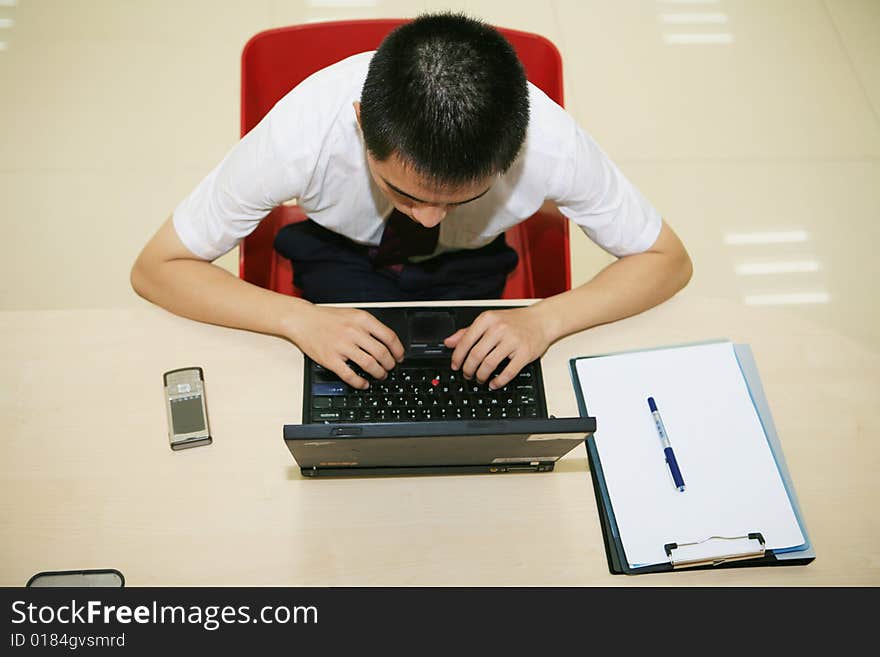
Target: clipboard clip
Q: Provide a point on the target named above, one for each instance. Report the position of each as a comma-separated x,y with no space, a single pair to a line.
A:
715,550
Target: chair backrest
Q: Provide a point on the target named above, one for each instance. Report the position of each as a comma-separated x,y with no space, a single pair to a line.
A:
275,61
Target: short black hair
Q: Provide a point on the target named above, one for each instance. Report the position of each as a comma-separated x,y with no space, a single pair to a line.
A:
449,95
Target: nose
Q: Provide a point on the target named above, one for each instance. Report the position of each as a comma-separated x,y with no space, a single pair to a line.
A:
429,215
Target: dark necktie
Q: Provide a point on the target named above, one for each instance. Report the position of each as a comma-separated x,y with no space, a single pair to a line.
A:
404,237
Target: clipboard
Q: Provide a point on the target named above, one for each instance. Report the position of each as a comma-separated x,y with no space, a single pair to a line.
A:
747,550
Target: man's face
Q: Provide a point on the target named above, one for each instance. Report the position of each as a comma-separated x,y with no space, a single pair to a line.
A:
421,202
412,195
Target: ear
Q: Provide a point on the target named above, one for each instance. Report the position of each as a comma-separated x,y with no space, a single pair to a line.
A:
357,112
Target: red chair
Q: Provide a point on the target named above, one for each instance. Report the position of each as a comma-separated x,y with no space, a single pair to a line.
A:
275,61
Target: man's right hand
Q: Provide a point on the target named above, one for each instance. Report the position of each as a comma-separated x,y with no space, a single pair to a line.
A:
334,336
170,275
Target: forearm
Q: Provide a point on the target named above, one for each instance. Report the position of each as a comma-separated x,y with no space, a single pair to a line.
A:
207,293
336,338
624,288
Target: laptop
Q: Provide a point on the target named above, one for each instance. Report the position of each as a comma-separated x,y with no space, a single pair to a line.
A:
425,418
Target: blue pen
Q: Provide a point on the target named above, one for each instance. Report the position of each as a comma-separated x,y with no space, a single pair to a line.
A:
667,448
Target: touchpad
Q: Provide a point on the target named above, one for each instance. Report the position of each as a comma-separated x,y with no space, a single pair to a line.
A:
427,330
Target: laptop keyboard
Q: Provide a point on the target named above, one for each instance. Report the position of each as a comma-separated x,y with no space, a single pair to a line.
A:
422,393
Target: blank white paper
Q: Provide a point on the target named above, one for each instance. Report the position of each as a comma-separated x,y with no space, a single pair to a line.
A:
733,485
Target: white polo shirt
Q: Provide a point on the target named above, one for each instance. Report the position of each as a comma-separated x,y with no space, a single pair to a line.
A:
309,147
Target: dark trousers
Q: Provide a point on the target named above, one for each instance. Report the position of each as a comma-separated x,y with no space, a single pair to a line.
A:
330,268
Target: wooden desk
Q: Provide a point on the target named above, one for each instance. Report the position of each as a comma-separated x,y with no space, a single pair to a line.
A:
88,480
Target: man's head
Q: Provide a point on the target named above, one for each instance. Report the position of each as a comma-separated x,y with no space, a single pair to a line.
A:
444,109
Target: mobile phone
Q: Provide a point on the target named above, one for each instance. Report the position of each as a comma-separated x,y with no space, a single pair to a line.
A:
78,578
187,411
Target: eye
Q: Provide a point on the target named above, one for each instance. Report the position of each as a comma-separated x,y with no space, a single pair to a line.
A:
402,197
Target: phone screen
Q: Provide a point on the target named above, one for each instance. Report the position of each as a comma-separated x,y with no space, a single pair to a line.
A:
186,414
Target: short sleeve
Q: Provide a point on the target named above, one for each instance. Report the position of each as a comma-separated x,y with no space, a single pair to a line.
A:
257,175
590,190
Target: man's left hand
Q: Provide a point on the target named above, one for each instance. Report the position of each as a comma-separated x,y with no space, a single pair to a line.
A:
515,333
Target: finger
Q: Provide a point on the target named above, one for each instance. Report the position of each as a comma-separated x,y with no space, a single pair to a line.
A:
487,342
467,340
493,360
385,335
367,363
453,339
517,362
379,351
344,372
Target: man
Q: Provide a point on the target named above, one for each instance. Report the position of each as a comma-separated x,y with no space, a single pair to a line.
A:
410,164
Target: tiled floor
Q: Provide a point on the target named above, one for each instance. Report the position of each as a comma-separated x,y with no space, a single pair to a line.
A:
752,125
